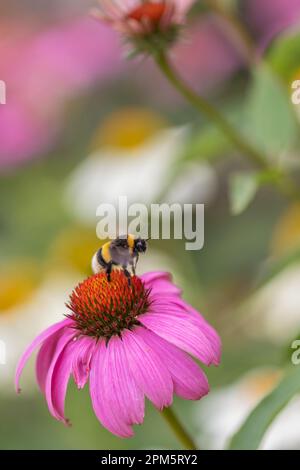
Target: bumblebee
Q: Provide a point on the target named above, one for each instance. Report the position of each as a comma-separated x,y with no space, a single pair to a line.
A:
122,252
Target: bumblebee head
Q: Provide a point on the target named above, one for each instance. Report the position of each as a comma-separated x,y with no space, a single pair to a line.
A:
140,245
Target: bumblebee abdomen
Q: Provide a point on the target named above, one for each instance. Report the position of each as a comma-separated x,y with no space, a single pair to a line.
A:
97,266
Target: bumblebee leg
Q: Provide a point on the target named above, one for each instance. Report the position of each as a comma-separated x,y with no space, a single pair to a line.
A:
127,274
108,271
132,267
133,263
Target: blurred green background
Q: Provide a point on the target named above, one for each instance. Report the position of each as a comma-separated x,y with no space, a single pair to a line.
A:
83,125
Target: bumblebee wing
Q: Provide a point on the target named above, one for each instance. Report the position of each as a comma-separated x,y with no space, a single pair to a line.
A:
120,254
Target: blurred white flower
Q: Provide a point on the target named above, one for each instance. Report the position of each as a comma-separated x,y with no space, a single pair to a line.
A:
140,173
275,310
284,433
197,183
23,322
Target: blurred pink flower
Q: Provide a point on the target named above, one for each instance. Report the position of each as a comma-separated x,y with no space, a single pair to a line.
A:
268,18
22,134
128,342
207,57
42,69
141,18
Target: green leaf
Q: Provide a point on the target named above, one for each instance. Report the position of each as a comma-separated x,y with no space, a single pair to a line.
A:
270,118
284,56
242,190
208,145
254,428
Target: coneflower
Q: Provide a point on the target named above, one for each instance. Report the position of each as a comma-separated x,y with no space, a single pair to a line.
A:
150,25
128,342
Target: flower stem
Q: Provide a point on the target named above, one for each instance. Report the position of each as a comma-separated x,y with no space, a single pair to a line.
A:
211,113
180,432
285,184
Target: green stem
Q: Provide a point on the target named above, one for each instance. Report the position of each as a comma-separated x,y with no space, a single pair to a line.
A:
174,423
286,185
211,113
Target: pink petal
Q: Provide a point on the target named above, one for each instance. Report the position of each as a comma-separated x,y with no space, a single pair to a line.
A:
36,342
82,360
183,6
173,304
189,380
58,375
208,330
148,369
160,283
180,329
105,394
121,394
60,379
44,358
130,397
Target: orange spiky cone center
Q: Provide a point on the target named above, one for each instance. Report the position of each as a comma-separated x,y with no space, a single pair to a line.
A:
102,309
149,10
